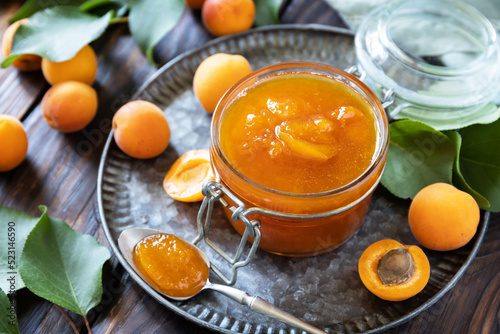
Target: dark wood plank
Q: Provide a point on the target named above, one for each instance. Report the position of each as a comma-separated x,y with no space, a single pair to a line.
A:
311,11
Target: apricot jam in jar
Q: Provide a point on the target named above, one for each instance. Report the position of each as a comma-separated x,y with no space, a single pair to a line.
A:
307,143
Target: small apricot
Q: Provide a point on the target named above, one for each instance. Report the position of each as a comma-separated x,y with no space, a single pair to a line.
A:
224,17
141,130
393,271
215,75
195,4
69,106
82,67
443,217
27,62
187,175
13,143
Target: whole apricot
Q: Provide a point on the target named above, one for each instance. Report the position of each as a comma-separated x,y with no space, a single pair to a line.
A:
13,143
224,17
69,106
443,217
215,75
195,4
393,271
27,62
141,130
82,67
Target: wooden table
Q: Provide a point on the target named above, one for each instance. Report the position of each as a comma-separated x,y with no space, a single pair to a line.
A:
60,171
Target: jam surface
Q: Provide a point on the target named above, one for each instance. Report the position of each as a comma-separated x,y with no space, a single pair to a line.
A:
172,266
299,133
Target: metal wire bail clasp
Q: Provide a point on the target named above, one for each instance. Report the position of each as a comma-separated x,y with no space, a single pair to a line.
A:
388,95
214,192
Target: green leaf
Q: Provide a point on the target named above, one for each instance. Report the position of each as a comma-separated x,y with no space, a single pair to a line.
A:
266,12
30,7
57,33
150,20
458,178
101,7
480,160
62,265
14,229
8,317
418,156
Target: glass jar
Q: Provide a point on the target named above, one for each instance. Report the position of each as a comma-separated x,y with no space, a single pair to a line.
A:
441,59
296,224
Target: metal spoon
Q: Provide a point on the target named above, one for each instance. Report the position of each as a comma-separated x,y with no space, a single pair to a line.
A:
129,238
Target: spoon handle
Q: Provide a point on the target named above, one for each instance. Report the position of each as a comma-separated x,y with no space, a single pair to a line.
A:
260,305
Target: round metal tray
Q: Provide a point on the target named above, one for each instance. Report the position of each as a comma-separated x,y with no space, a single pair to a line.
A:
324,290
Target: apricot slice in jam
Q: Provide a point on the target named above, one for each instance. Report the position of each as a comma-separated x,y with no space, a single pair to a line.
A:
312,138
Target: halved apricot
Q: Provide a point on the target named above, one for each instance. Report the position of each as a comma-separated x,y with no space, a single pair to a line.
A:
187,175
393,271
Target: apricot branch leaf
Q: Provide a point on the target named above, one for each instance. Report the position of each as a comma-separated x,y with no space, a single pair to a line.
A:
458,178
267,12
62,265
418,156
57,33
14,229
150,20
480,161
30,7
8,317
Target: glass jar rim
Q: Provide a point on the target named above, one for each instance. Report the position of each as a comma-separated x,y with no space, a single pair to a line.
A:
380,119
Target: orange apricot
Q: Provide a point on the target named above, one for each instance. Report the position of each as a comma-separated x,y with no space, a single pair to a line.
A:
141,130
195,4
13,143
443,217
27,62
215,75
69,106
82,67
187,175
224,17
393,271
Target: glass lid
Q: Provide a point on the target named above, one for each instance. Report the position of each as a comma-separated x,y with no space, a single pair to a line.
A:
440,58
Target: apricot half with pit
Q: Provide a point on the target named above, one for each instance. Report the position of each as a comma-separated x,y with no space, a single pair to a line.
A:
393,271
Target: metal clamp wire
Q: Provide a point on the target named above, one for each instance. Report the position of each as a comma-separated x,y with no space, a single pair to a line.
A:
213,192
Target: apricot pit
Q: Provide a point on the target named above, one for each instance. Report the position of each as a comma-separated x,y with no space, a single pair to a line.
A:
395,267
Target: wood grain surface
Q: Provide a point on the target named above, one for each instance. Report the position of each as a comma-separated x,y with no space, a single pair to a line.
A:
60,171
